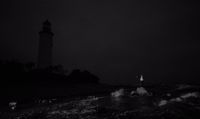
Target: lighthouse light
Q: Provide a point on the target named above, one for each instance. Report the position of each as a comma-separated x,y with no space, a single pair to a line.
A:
141,78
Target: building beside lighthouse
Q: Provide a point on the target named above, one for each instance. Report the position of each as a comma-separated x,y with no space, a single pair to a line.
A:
45,46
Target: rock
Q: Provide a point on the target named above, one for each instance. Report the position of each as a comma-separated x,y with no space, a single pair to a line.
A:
141,91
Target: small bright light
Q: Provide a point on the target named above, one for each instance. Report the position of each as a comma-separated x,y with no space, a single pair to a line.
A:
141,78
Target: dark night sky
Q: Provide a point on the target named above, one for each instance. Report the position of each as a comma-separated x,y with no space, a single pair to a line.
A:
114,39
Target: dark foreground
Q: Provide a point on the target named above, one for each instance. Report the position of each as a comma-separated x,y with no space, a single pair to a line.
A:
175,102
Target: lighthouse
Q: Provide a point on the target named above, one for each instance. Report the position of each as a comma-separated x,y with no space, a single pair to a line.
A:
141,81
45,46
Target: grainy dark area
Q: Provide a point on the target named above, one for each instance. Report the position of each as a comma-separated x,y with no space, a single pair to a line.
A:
99,59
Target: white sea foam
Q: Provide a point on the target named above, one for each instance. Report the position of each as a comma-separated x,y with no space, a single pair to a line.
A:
188,95
118,93
12,105
179,99
162,103
183,86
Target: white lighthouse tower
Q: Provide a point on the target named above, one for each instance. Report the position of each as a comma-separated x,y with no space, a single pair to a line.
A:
141,81
45,46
